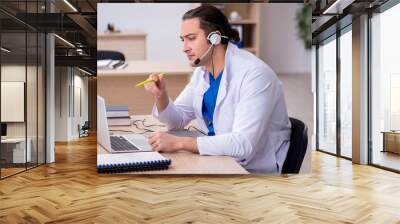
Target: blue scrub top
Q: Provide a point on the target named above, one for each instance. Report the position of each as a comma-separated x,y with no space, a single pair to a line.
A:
209,101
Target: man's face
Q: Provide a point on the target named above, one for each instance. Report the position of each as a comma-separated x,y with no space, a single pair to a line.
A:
194,39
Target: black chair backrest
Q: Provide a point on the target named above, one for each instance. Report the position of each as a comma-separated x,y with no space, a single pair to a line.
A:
85,126
297,148
113,55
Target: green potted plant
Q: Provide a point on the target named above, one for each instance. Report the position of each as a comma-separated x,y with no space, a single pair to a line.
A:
303,17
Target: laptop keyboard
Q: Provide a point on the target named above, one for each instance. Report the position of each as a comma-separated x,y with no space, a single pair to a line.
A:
118,143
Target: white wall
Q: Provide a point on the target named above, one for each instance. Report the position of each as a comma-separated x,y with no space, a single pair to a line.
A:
161,22
280,47
82,82
66,122
61,104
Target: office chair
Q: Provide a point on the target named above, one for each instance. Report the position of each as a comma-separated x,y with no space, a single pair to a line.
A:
297,148
84,130
113,55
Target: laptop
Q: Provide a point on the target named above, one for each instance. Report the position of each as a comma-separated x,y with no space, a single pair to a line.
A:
117,143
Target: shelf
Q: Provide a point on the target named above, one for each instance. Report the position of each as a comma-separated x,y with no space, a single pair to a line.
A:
248,23
243,21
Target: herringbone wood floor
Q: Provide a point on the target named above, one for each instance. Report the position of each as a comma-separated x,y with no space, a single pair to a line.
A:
70,191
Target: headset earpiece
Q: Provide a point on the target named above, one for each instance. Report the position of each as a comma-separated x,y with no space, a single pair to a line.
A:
214,38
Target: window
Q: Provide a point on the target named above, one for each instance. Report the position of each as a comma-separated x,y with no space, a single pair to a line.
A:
22,67
385,89
326,96
334,94
346,93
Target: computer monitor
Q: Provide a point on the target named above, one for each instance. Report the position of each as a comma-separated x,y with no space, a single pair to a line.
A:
3,129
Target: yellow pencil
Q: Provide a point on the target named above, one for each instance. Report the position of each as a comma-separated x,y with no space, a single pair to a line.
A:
141,84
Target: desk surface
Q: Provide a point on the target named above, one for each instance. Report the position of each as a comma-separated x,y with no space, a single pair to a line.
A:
13,140
146,67
181,162
391,132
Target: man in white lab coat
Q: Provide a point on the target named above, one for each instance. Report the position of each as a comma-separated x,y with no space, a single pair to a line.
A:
233,95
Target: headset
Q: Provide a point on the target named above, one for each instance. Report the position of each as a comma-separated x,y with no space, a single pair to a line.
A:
214,38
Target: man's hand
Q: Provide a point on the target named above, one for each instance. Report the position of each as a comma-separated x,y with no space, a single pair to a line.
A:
164,142
158,88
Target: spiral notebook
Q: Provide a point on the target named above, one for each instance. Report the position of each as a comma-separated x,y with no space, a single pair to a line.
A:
128,162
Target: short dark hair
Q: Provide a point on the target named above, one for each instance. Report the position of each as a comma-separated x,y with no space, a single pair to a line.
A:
212,19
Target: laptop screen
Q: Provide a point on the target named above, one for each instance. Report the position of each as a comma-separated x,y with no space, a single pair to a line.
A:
103,137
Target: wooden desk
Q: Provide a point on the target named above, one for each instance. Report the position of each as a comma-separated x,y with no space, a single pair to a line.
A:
117,86
181,162
15,148
131,43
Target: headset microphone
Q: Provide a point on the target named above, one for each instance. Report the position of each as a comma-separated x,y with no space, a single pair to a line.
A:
198,60
214,38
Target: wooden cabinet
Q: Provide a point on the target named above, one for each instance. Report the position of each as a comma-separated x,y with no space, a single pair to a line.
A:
131,43
391,142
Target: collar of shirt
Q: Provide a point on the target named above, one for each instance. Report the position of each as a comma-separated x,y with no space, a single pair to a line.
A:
212,79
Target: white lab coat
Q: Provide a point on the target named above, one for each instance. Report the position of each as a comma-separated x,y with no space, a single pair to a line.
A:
251,123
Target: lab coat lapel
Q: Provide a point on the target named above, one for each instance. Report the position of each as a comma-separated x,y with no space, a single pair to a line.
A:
221,95
205,84
222,89
198,99
224,79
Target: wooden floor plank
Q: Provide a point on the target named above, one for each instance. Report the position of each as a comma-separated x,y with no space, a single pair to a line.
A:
71,191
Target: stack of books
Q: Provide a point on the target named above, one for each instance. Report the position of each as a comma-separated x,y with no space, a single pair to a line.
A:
118,116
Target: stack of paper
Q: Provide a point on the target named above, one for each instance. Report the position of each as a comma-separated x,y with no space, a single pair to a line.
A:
123,162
